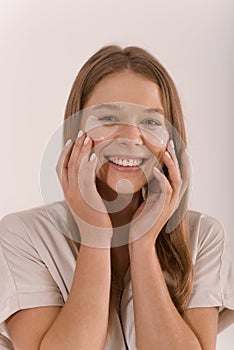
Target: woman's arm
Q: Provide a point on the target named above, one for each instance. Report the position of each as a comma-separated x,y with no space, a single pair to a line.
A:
157,321
81,323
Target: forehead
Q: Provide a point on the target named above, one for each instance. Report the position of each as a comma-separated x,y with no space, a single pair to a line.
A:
126,86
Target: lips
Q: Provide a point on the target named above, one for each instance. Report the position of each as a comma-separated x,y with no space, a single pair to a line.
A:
125,161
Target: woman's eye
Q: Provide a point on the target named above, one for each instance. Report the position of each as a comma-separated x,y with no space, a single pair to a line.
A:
151,122
109,118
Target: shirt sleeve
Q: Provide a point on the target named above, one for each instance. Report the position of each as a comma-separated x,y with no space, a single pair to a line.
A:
25,279
213,271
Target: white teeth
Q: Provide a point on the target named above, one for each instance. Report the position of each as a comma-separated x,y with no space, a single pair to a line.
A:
126,162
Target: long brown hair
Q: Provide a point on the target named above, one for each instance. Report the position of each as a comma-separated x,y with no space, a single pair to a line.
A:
173,249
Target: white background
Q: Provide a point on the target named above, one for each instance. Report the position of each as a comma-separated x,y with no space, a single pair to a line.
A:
43,45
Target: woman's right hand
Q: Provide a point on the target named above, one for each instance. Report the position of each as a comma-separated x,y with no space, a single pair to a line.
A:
76,173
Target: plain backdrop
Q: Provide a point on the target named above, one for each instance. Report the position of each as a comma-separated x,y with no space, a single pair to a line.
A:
45,42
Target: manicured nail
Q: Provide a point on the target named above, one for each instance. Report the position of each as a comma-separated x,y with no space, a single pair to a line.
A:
86,140
172,144
167,155
80,133
68,142
93,156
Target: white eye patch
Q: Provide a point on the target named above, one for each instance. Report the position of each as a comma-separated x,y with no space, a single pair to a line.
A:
97,130
106,126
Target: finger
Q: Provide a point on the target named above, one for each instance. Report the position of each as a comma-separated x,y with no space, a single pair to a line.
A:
173,172
61,167
157,203
171,150
73,164
87,176
164,184
153,186
82,160
185,171
85,150
86,180
87,185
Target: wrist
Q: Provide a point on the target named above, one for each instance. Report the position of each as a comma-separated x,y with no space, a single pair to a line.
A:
95,237
142,246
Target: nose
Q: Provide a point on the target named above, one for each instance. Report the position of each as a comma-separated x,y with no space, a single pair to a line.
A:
129,134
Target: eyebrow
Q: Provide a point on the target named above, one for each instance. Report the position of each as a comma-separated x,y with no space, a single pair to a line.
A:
153,110
117,107
108,106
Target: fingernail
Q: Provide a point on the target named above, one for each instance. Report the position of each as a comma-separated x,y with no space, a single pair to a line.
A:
68,142
172,144
93,156
80,133
86,140
167,155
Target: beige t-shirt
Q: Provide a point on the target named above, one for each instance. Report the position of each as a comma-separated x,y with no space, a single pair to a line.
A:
38,257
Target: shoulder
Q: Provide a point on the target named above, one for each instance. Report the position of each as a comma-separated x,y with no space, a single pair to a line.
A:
205,232
201,223
35,214
213,266
41,220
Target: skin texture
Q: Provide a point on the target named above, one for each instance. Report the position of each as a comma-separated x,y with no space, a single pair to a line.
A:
125,87
130,88
158,323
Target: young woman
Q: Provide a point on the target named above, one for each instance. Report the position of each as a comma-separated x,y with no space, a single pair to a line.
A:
134,268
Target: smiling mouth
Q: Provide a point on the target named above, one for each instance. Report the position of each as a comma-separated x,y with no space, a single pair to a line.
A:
126,162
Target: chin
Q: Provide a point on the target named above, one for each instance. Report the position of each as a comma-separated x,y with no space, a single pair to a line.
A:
124,186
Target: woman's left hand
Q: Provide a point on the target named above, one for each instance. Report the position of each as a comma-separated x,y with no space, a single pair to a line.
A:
159,206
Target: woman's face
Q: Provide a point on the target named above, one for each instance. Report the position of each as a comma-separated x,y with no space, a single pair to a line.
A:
134,111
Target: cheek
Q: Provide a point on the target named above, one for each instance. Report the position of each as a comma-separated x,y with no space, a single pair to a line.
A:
157,138
159,152
97,131
98,147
